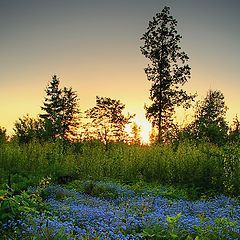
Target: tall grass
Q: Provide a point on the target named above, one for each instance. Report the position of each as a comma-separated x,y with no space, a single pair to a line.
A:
203,166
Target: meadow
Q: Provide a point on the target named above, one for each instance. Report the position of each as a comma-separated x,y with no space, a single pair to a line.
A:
84,190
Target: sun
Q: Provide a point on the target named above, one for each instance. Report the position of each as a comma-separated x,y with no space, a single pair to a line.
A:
145,128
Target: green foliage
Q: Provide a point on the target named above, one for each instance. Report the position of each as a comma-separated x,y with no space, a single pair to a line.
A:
234,131
231,163
158,232
3,135
48,234
14,206
154,232
167,72
202,168
101,189
27,164
164,190
28,129
57,192
209,123
221,226
172,225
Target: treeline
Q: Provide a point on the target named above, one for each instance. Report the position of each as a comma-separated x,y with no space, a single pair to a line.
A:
63,141
168,71
62,120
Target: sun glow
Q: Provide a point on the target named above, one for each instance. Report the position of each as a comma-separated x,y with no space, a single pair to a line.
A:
145,128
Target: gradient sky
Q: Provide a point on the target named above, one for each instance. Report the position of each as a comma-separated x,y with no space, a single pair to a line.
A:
94,46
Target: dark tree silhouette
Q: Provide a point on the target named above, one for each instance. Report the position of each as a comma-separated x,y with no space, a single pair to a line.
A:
61,108
3,135
107,120
209,118
167,72
135,138
234,133
153,136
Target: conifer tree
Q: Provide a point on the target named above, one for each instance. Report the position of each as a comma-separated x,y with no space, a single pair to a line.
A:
61,109
168,71
209,117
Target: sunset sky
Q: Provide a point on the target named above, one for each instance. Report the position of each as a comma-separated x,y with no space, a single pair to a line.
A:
94,46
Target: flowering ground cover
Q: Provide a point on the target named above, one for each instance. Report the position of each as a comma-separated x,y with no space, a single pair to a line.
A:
105,210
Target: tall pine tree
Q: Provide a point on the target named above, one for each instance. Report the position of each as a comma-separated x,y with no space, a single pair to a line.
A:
167,71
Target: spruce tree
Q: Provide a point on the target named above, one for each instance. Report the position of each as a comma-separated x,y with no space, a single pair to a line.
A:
61,109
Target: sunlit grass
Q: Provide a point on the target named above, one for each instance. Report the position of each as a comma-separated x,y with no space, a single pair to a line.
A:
203,167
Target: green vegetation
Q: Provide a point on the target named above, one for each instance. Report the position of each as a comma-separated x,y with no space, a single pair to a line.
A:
203,167
105,169
106,209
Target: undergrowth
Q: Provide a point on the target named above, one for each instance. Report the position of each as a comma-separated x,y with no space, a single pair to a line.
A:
203,168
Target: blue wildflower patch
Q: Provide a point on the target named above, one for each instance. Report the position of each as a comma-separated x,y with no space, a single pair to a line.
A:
126,214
